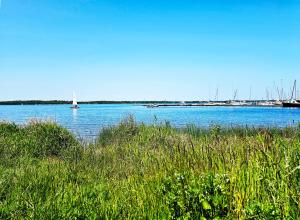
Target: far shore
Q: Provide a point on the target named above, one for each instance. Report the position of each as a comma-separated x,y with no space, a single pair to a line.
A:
61,102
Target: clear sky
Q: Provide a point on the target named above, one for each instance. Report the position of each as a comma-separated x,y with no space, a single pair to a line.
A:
147,49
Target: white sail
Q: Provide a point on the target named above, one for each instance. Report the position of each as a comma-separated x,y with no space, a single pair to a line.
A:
74,99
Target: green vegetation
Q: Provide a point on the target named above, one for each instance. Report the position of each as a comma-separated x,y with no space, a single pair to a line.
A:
136,171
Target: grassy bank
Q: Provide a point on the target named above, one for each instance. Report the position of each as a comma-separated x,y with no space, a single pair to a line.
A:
149,172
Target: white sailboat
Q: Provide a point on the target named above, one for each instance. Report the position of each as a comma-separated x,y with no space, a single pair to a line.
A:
74,104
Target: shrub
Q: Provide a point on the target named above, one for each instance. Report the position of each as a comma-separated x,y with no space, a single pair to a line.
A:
123,132
197,197
37,139
48,139
257,210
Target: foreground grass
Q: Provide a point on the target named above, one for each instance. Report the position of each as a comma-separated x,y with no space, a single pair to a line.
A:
149,172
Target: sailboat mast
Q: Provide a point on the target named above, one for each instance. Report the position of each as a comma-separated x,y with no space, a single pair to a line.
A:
235,95
278,93
295,90
294,87
217,95
267,95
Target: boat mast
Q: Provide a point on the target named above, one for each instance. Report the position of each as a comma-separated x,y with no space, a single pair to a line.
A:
235,95
281,91
278,93
217,95
267,94
294,88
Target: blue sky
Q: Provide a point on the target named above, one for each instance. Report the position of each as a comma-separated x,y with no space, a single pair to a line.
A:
147,49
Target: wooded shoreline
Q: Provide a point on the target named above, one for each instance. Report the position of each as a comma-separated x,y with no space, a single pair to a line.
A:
62,102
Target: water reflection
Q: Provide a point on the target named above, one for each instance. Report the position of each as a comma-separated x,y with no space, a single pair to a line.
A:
74,114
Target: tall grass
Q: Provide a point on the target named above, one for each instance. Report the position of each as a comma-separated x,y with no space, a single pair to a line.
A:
137,171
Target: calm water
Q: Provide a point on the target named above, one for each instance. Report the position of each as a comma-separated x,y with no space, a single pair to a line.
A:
88,120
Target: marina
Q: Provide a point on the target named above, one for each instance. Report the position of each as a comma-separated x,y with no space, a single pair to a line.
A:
280,102
221,104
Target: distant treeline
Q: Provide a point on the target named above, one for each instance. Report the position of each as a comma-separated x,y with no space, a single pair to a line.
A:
52,102
58,102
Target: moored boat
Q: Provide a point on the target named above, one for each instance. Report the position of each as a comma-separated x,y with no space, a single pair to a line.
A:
293,101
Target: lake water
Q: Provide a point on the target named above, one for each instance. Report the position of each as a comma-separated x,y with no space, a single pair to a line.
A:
88,120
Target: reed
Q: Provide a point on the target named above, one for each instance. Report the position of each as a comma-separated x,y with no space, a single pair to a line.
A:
137,171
